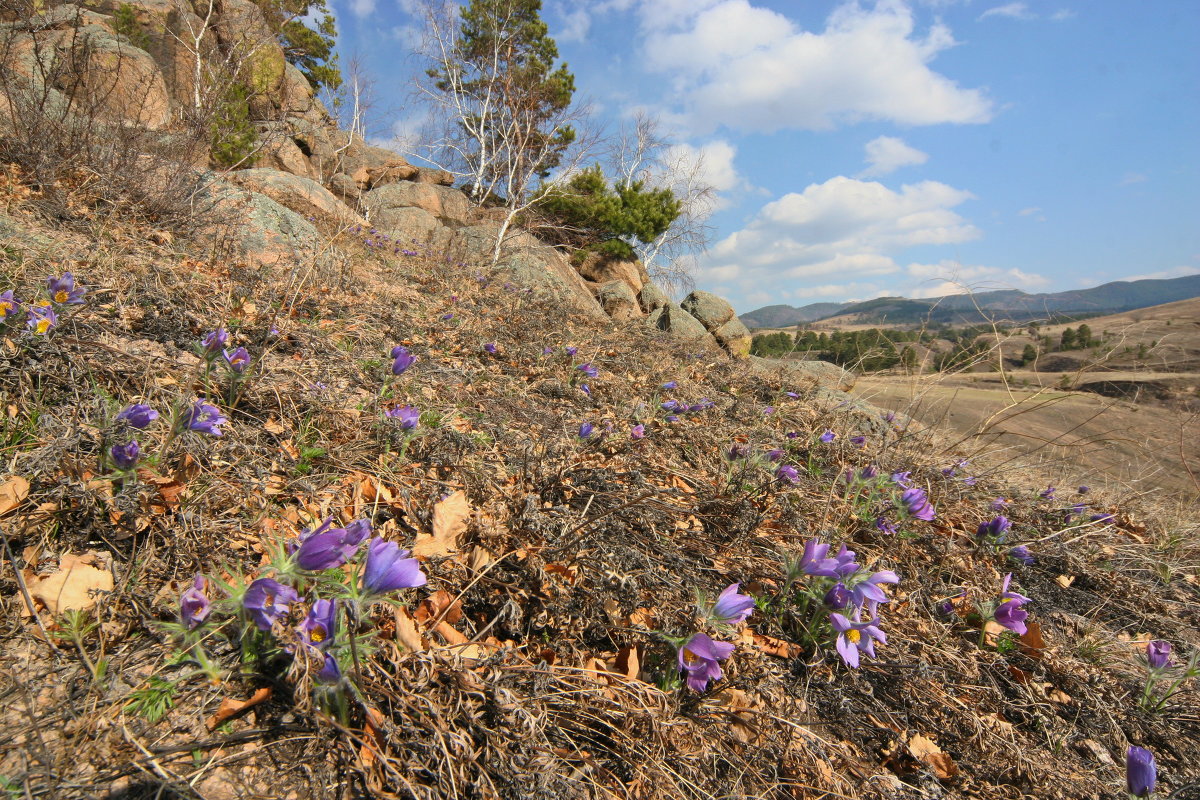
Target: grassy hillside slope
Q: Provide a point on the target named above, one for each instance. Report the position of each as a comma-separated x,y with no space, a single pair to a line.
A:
541,657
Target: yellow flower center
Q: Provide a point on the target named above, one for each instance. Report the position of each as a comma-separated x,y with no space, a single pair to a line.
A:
853,635
317,634
43,325
5,308
690,657
61,296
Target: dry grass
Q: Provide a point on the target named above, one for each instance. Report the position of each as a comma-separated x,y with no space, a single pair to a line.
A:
572,552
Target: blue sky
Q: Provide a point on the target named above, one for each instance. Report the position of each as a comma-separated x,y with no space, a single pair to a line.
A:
893,147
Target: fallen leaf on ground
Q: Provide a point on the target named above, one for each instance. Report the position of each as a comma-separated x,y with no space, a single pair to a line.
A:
74,586
450,517
407,633
13,493
230,708
927,750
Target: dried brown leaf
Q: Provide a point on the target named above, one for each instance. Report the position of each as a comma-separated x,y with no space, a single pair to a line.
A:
13,493
450,517
74,585
230,708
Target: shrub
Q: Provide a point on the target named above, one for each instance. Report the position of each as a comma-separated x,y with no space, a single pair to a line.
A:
593,216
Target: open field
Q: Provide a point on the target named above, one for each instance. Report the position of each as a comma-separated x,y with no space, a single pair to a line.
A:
1147,447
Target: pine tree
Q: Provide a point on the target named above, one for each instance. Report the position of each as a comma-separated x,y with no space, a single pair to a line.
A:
1029,354
508,95
310,49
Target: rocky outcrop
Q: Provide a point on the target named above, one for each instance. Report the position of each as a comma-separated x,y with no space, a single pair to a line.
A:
304,196
134,63
618,301
674,320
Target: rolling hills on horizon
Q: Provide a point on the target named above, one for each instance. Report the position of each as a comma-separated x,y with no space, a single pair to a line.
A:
1006,304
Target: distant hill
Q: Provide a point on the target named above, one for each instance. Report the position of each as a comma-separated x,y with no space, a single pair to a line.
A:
1004,305
781,316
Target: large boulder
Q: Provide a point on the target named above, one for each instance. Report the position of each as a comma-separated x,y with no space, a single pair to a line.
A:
674,320
618,301
652,298
171,33
111,79
823,372
710,310
256,227
369,166
302,195
410,227
446,204
598,269
734,337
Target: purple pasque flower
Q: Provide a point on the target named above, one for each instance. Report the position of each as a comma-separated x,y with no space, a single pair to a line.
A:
671,418
902,479
1158,654
786,473
138,415
449,315
8,305
1076,510
670,385
917,504
194,605
205,418
638,432
1102,517
999,504
1021,554
330,673
547,350
1140,771
704,404
326,547
1009,612
409,416
769,410
388,568
671,405
490,348
868,473
858,441
401,360
583,387
838,597
589,370
318,627
238,360
63,290
267,600
571,350
814,560
585,430
125,456
856,636
1084,489
868,591
995,529
1047,493
827,437
792,395
884,525
41,319
774,454
730,607
700,658
215,341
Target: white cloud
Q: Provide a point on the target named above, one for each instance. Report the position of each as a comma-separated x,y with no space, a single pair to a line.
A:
887,154
1163,274
1033,211
362,8
1010,10
575,24
752,68
1062,15
713,160
843,228
1130,178
949,277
